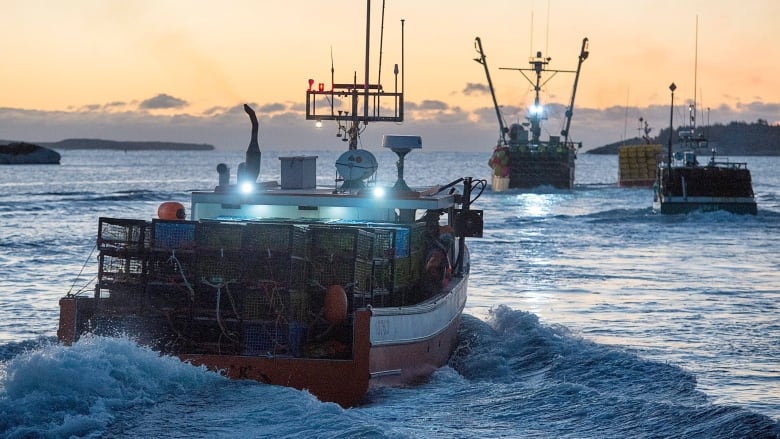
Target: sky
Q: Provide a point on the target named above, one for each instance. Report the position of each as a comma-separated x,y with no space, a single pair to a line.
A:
174,70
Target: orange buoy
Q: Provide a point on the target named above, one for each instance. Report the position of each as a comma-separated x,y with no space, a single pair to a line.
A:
171,210
335,304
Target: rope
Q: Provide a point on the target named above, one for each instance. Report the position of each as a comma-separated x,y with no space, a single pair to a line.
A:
217,311
81,271
183,276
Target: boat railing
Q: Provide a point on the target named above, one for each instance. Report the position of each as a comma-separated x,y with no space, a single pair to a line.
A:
359,98
728,164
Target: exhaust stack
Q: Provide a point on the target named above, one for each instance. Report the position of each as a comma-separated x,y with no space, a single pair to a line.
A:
252,167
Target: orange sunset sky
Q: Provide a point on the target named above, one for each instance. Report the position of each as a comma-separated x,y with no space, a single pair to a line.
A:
179,70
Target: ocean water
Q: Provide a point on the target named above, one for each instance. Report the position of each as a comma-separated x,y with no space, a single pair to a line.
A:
589,316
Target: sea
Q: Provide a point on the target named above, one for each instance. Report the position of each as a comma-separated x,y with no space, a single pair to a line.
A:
588,316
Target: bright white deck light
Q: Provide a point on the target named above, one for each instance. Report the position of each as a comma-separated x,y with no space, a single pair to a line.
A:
247,187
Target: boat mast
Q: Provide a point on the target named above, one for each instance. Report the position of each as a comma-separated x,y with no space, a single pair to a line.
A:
569,111
349,121
672,88
538,64
695,77
482,60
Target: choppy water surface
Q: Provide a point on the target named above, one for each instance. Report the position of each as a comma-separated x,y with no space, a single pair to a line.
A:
588,315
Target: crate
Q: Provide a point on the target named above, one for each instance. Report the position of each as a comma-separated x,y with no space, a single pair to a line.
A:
163,267
218,236
373,282
120,268
269,302
275,237
117,296
219,267
297,337
117,235
266,338
275,252
168,296
344,242
208,336
171,235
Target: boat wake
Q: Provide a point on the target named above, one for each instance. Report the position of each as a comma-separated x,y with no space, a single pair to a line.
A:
511,372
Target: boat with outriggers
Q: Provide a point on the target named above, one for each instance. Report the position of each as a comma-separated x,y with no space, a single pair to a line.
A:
523,162
684,185
333,290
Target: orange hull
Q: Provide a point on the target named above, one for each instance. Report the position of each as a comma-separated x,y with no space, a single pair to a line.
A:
324,378
390,347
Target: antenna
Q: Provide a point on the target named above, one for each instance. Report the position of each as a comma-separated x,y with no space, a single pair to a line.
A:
402,55
351,122
695,74
381,43
368,51
531,30
547,31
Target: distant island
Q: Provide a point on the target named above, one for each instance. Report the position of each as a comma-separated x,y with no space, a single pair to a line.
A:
736,139
125,145
15,153
22,153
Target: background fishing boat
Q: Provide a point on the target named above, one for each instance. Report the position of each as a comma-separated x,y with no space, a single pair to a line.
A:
683,184
522,159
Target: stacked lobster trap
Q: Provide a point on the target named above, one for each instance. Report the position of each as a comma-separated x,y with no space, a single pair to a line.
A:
254,288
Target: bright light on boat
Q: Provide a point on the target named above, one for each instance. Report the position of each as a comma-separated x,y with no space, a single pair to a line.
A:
318,123
247,188
379,192
536,109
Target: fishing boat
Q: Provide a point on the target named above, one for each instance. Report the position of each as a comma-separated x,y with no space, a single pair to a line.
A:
525,160
684,185
333,290
23,153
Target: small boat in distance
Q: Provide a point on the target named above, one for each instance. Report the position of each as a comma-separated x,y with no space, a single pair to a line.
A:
684,185
523,162
327,289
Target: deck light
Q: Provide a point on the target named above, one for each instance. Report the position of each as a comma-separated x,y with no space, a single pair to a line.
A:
247,187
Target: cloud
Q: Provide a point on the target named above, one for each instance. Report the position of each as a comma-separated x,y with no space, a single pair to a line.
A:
432,105
284,127
478,89
162,102
272,108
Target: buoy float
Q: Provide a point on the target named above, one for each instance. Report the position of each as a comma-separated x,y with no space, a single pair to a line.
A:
171,210
335,311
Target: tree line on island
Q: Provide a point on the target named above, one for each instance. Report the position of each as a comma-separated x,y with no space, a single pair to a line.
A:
736,138
126,145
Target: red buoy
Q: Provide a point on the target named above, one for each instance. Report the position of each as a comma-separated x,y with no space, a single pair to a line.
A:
171,210
335,304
